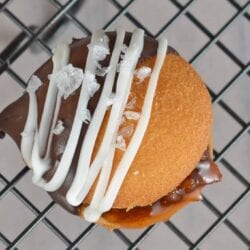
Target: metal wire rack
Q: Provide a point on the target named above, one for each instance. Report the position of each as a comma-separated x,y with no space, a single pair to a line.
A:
41,35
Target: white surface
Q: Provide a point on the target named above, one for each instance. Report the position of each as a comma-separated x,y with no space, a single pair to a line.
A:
216,69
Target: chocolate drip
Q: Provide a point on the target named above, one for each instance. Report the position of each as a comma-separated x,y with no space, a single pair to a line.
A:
206,172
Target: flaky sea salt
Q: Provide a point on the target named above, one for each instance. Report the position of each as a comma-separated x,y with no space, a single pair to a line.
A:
136,172
58,128
132,115
100,48
120,143
92,84
68,79
101,71
122,120
127,131
131,103
142,73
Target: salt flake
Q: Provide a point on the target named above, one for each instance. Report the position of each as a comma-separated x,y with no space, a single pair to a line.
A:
131,103
122,120
142,73
100,48
120,143
68,79
127,131
136,172
92,84
132,115
58,128
101,71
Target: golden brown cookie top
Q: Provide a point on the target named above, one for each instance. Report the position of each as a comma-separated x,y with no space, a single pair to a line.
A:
177,135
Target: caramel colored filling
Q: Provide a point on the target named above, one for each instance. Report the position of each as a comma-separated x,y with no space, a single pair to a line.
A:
189,190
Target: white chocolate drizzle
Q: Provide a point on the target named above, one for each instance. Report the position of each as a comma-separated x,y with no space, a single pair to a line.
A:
89,86
34,84
60,59
64,80
43,138
95,125
28,133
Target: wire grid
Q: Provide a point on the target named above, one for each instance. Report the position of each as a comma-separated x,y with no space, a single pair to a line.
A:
65,12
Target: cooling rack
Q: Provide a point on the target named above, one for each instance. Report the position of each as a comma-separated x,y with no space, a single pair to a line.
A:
66,13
